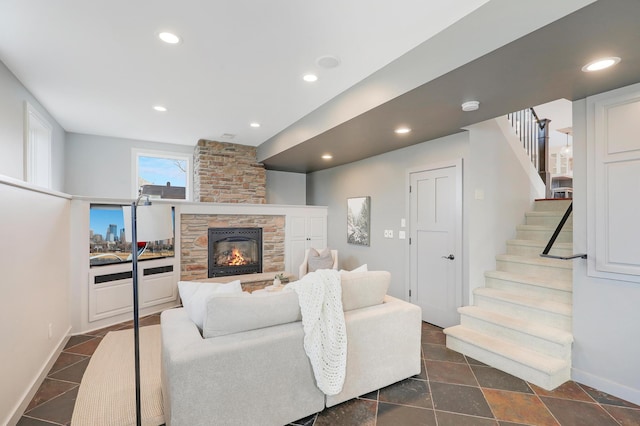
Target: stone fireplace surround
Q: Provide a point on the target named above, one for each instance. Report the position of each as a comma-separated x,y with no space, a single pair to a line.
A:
194,240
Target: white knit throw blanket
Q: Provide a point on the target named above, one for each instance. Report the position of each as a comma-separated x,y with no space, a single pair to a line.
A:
325,335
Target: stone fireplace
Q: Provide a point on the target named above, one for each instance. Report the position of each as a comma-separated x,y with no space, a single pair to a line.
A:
194,233
234,251
230,174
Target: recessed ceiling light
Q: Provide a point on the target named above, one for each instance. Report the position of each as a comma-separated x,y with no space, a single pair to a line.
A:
327,157
160,108
402,130
310,78
169,38
470,106
255,125
601,64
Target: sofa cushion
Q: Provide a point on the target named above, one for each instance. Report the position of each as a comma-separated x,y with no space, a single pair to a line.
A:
361,268
195,294
362,289
322,260
231,314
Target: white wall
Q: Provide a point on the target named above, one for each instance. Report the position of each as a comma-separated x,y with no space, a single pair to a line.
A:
12,105
383,178
34,260
496,174
101,166
606,313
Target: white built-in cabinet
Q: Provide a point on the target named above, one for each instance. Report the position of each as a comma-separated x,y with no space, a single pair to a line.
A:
111,287
561,164
613,173
103,295
305,230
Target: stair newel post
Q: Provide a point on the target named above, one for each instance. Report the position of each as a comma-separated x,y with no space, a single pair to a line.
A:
543,155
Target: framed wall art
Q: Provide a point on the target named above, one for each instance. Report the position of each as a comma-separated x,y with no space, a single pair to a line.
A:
358,221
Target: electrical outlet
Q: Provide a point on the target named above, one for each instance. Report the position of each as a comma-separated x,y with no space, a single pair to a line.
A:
390,233
401,235
50,330
386,233
403,222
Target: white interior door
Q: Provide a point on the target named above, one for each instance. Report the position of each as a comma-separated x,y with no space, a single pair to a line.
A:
436,244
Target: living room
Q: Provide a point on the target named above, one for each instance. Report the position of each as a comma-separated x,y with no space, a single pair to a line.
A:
43,261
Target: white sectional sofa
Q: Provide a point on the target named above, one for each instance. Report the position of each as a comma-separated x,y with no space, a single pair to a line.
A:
250,368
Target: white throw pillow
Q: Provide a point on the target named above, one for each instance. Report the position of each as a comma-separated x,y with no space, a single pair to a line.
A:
195,295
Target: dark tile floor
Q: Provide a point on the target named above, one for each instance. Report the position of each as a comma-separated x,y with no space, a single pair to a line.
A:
451,390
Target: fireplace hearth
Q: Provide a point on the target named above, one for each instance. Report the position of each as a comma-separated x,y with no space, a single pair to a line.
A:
234,251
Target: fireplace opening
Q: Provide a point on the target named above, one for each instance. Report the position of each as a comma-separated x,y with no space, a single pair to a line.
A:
234,251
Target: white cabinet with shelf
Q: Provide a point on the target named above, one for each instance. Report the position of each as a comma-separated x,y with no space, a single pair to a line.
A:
305,230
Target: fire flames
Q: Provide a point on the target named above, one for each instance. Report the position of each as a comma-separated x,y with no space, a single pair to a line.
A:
236,258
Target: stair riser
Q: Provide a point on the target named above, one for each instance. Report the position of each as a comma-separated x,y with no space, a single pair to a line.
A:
552,221
535,270
528,341
534,251
515,368
544,236
546,206
564,295
551,319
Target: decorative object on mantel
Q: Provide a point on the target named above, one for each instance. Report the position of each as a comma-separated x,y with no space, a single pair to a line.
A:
280,279
358,218
149,223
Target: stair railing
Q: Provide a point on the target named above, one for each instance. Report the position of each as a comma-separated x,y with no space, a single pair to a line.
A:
534,135
556,232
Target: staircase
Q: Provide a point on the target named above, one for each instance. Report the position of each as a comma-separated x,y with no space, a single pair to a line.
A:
521,320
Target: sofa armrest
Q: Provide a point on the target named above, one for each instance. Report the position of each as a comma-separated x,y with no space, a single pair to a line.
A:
235,379
383,347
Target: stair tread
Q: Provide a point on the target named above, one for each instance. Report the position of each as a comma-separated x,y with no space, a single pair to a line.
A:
545,213
541,362
539,303
537,243
540,228
552,283
528,327
541,261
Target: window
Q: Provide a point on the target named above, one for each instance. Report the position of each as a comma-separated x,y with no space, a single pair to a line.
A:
37,153
162,174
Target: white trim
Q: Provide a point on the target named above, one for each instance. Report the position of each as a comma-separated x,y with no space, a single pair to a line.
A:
136,153
9,181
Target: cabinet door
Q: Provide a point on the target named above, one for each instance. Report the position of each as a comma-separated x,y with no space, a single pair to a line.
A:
317,232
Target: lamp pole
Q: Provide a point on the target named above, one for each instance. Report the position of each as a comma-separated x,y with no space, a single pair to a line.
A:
136,324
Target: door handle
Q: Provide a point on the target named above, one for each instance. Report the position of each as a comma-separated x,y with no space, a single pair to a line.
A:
450,257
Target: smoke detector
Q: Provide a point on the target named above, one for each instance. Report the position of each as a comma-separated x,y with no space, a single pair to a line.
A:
470,106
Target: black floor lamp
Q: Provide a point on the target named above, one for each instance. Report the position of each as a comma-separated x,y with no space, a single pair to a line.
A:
148,223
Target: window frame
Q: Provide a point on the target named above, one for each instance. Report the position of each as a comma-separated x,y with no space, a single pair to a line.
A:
38,140
136,153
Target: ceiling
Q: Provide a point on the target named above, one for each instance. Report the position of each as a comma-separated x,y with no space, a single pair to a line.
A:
98,68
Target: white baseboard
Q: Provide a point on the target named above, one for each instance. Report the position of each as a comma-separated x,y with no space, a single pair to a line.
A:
37,381
605,385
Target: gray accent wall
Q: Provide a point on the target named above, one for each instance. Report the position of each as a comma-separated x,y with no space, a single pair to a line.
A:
286,188
13,95
383,178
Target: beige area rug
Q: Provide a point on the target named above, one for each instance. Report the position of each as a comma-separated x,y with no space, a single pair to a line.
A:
107,392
